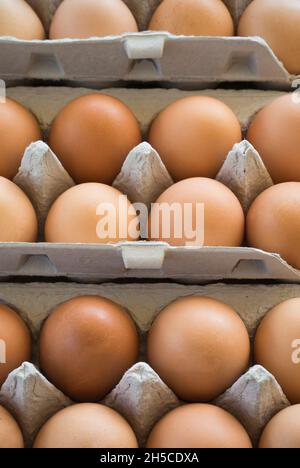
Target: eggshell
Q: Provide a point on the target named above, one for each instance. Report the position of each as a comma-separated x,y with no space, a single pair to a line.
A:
199,347
193,18
86,345
283,431
223,215
273,222
80,19
194,135
18,128
92,136
198,426
275,133
86,425
10,434
15,342
18,221
277,346
19,20
277,22
75,217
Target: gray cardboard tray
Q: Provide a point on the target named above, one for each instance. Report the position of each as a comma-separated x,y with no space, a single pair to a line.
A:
177,61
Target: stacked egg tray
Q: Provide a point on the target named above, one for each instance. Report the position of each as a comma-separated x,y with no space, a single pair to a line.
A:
180,61
141,396
143,178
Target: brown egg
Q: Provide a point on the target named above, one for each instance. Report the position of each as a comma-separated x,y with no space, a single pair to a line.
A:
273,222
194,135
277,22
19,20
223,222
80,19
275,133
199,347
193,18
86,345
15,342
18,221
10,434
283,431
86,425
277,346
198,426
92,137
18,128
91,213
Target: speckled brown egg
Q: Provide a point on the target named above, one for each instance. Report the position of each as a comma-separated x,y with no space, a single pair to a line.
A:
199,347
194,135
15,342
198,426
18,128
86,425
86,345
193,18
10,434
92,137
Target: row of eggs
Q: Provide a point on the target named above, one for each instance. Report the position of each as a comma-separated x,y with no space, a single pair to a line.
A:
198,359
273,20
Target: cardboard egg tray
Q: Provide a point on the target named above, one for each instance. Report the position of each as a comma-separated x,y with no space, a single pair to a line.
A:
180,61
143,178
141,396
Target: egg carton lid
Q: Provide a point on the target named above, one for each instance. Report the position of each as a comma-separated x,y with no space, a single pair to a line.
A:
145,57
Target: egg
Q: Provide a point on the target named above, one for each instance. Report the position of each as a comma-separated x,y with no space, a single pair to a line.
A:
93,214
18,221
199,347
86,425
15,342
10,434
80,19
92,137
198,426
194,135
102,337
193,18
277,22
273,222
19,20
277,346
197,212
283,431
18,128
275,133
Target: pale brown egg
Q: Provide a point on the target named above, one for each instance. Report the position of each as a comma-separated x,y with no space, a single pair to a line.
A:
18,19
197,212
273,222
283,431
92,137
18,221
10,434
277,346
18,128
86,425
275,133
15,342
81,19
198,426
93,214
277,22
193,18
199,347
86,345
194,135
